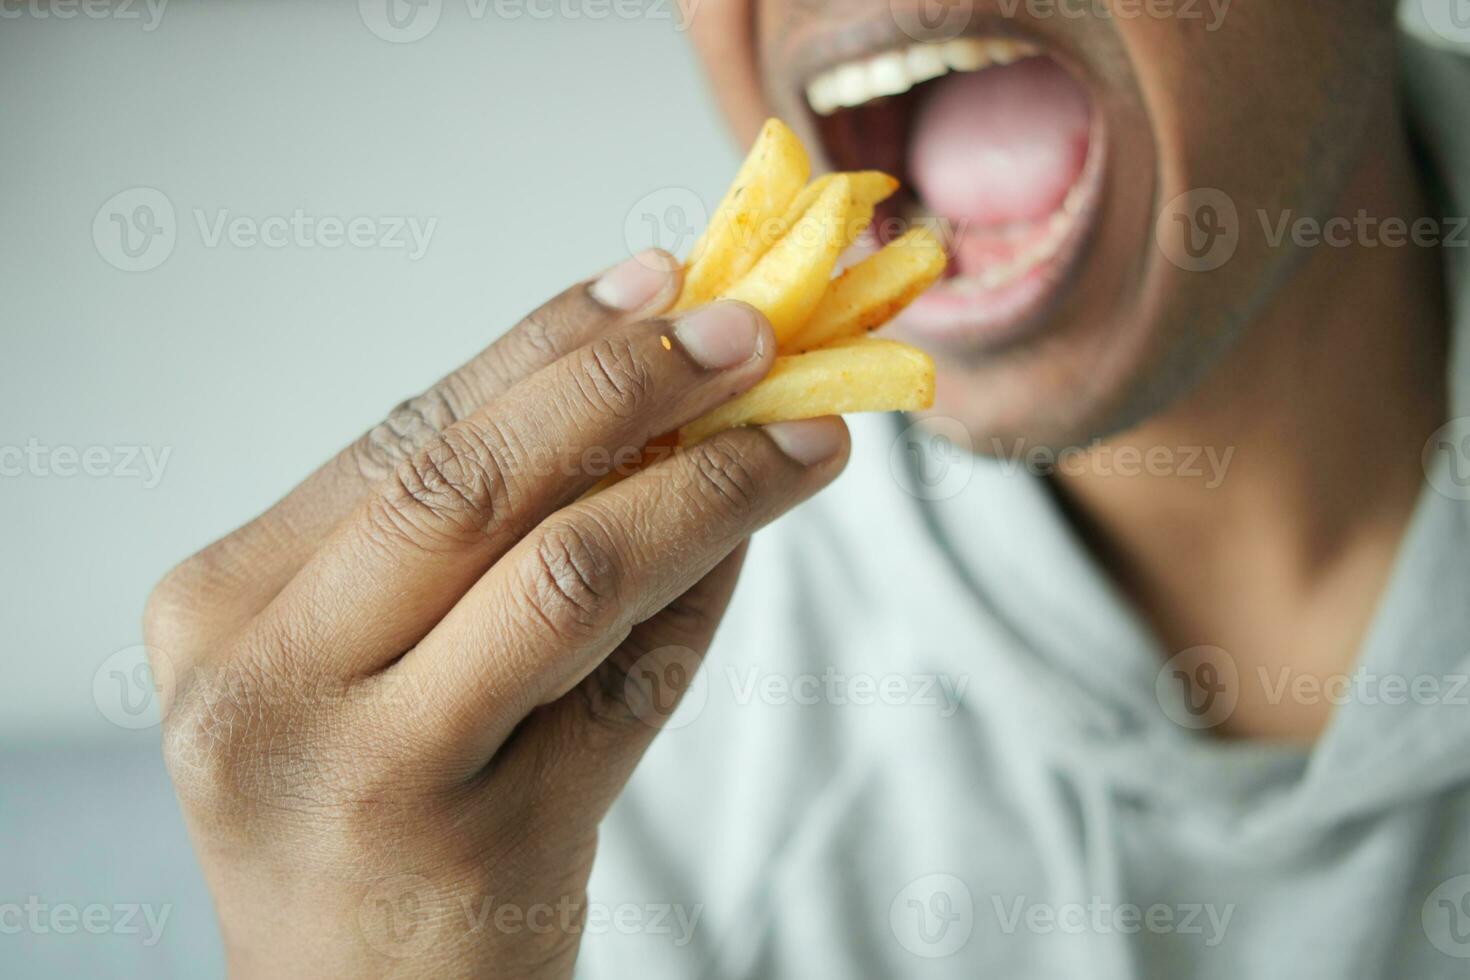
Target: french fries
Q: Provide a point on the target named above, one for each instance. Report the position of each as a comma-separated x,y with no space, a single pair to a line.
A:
773,243
870,293
784,269
865,375
789,280
747,221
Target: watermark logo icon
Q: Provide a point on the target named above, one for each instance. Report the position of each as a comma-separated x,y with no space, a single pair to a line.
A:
933,916
1198,688
1446,459
1446,917
669,218
130,688
1450,19
400,21
135,230
395,913
932,21
1199,230
665,688
933,459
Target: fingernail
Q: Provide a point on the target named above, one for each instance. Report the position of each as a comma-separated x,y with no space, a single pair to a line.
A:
721,335
808,441
633,283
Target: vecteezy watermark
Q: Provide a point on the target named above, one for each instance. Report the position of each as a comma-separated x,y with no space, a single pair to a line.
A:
1450,19
663,688
1446,917
669,218
400,21
301,230
131,687
1446,459
148,12
672,920
402,915
654,685
395,914
137,230
1201,230
1363,687
1364,230
943,20
1210,12
933,916
1099,917
39,917
941,692
933,458
122,462
406,21
135,687
674,218
1201,687
1208,464
1198,688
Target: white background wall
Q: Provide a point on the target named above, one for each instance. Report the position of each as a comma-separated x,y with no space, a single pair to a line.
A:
528,140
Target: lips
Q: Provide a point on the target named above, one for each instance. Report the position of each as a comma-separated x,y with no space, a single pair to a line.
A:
999,149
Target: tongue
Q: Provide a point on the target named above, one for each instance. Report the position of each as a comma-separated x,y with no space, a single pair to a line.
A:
1001,145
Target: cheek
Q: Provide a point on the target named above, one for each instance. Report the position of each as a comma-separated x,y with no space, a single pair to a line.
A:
720,31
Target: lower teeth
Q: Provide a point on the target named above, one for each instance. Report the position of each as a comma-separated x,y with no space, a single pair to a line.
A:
1059,223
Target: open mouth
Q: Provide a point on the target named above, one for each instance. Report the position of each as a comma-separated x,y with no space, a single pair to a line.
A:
999,151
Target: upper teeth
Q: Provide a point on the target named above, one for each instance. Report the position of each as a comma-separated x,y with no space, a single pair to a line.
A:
895,72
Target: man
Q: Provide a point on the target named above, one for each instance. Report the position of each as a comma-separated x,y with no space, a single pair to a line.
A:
1144,656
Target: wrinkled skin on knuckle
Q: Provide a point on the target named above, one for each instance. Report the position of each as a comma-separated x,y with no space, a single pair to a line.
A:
614,378
455,487
574,579
409,426
725,478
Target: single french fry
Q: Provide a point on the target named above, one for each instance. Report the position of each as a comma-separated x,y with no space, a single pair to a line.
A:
872,292
788,281
747,221
869,189
867,375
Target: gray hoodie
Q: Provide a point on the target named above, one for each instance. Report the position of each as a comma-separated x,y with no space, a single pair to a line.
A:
932,741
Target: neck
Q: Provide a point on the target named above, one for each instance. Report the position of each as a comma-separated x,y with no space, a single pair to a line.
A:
1318,417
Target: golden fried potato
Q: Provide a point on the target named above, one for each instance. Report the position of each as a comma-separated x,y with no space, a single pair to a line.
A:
872,292
866,375
747,221
869,189
789,280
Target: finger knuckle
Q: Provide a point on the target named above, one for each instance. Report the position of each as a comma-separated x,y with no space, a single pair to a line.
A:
409,426
725,477
575,578
179,608
541,333
210,737
614,377
458,484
